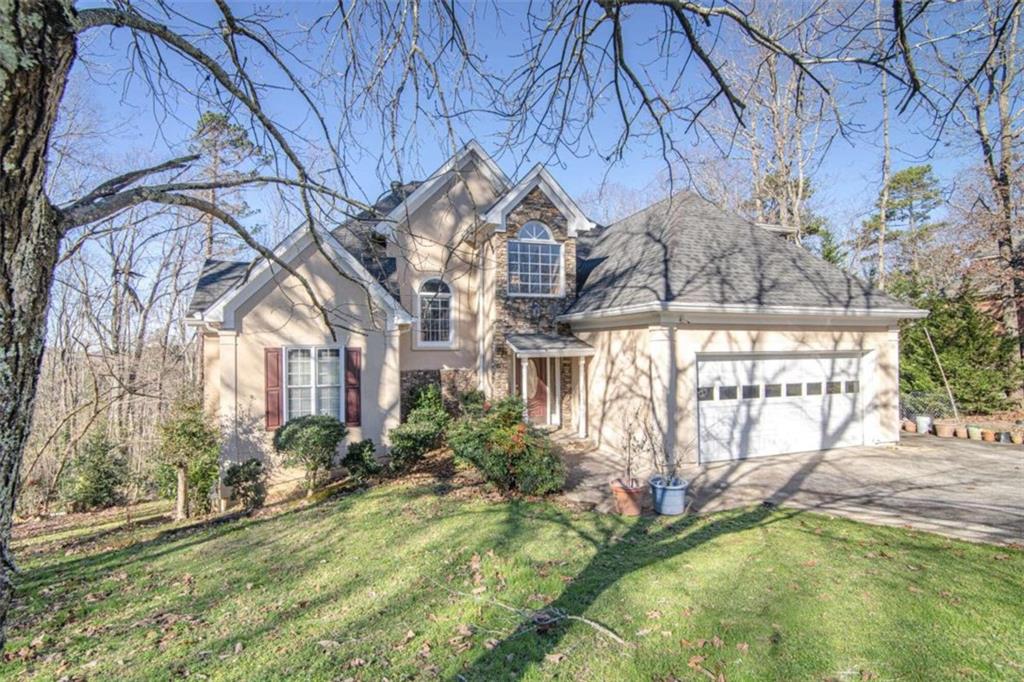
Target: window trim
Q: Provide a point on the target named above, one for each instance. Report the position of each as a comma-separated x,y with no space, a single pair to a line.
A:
313,348
418,342
561,262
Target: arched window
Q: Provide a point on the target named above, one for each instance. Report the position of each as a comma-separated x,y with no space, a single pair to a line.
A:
534,262
435,312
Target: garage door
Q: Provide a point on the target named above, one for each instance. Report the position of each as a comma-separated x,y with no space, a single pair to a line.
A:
750,406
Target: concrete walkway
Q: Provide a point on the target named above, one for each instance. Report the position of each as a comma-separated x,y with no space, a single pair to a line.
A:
959,488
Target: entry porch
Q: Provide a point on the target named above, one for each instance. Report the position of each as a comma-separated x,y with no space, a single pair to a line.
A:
550,375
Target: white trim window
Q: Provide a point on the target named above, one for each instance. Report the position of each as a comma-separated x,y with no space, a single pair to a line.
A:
535,263
435,309
313,382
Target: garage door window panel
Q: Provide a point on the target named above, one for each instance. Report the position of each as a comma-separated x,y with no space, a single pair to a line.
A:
834,387
751,391
814,388
794,390
727,393
773,391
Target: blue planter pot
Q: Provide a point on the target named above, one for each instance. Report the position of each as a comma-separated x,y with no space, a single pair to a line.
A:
669,497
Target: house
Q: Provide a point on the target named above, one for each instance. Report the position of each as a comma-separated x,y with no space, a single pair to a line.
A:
732,340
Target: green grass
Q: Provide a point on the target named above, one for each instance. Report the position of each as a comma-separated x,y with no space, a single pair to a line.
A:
384,583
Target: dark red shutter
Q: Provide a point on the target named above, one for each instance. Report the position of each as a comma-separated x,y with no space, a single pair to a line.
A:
353,377
272,386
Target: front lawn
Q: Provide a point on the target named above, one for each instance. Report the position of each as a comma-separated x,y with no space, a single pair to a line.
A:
409,581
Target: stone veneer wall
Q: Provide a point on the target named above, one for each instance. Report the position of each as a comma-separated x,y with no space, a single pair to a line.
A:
513,314
568,419
452,382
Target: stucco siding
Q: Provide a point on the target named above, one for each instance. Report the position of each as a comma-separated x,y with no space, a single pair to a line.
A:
279,316
618,378
657,367
438,240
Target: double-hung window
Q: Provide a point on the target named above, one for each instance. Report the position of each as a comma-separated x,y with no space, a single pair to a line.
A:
534,262
435,313
312,382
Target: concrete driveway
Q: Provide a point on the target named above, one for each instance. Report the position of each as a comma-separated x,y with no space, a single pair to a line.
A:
959,488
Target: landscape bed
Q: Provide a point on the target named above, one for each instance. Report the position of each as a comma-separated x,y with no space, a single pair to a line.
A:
411,580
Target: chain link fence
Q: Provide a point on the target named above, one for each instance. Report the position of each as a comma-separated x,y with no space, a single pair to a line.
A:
932,403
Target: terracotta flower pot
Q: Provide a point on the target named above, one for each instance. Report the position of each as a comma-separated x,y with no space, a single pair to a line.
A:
988,435
944,430
909,426
628,498
961,431
1017,437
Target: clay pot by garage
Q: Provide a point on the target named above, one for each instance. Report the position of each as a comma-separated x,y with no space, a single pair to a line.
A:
1017,437
961,431
629,497
909,426
944,430
988,435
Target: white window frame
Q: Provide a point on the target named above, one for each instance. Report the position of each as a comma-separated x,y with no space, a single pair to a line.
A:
418,342
561,262
313,378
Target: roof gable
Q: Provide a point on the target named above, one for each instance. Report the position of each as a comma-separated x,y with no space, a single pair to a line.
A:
264,270
539,178
471,151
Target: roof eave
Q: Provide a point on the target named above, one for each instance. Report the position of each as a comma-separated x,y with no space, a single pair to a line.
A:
700,312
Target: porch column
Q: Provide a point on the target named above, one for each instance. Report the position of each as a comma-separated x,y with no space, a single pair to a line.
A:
581,397
555,369
524,374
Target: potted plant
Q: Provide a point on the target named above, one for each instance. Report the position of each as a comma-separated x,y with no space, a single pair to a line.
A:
974,432
944,429
988,435
668,490
961,431
628,490
909,426
1017,437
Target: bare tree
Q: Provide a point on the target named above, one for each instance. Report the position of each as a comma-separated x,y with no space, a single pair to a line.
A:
392,62
979,78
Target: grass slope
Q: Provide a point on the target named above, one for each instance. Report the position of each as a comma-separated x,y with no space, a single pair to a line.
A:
405,582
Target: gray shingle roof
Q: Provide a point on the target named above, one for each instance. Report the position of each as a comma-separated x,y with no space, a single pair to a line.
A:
541,343
216,279
356,235
684,249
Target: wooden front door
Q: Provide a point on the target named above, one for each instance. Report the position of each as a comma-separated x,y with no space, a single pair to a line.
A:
537,391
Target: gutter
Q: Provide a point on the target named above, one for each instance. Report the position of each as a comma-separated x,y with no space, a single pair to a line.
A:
743,309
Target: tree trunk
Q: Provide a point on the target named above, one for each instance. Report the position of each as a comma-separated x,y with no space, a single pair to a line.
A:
35,58
181,500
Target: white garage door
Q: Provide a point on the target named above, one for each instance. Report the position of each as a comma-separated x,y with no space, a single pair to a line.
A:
753,406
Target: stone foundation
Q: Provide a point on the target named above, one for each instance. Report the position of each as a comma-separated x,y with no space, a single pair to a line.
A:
412,381
453,383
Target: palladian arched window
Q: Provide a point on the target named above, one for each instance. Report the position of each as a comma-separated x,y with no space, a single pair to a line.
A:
534,262
435,312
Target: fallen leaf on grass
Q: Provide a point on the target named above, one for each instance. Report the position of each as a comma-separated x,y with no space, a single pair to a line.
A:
743,647
464,630
654,615
480,590
491,644
409,636
1001,557
329,644
695,661
356,663
555,658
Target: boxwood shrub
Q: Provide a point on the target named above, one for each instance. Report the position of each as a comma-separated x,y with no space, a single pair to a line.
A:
423,430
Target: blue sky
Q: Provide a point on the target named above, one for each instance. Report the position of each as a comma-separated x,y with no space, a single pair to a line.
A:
847,179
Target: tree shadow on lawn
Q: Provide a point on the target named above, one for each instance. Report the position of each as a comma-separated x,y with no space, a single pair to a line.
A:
645,543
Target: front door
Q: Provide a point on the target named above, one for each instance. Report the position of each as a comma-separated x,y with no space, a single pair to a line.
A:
536,389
